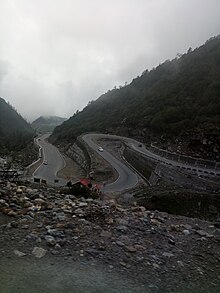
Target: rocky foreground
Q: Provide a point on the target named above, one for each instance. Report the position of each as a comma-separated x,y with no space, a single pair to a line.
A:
162,252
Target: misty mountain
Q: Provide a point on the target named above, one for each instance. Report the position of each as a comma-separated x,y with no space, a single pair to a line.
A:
15,132
178,101
45,124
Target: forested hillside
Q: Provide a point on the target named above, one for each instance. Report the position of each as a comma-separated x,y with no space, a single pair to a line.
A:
179,101
45,124
15,132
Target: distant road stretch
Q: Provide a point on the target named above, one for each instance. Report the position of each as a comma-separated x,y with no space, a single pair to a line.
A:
54,162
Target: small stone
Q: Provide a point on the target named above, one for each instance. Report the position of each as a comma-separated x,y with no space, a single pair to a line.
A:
57,246
50,206
32,237
171,241
61,216
97,227
54,252
217,232
119,243
196,227
217,223
122,228
168,254
19,191
217,238
106,234
71,225
82,199
180,263
12,213
19,253
52,232
89,200
201,233
78,211
160,219
131,248
186,232
2,201
61,225
123,222
109,221
120,209
142,209
187,226
213,210
156,266
39,252
40,225
50,240
92,251
175,228
14,224
62,241
83,204
39,201
155,222
152,286
38,240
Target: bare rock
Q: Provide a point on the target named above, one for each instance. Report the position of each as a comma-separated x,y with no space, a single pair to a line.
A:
39,252
106,234
19,253
50,240
122,228
201,233
131,249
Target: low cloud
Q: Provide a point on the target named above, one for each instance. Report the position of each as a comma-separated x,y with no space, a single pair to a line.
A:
58,55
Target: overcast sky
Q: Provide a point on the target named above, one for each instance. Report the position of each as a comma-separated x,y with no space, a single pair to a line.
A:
56,55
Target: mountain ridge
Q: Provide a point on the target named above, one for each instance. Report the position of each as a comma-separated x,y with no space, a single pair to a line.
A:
176,101
15,131
47,123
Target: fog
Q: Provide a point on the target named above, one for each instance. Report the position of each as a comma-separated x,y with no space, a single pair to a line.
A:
56,56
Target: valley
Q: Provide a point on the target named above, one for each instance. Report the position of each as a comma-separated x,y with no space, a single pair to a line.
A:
124,196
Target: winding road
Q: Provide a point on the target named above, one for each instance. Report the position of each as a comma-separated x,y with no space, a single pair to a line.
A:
55,162
135,145
126,177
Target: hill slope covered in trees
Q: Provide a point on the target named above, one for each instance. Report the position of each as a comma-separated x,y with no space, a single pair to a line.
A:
15,132
177,101
45,124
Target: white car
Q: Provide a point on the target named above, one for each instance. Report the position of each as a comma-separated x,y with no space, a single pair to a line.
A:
100,149
45,162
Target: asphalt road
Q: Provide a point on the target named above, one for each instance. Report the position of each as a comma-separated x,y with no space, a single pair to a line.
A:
55,162
126,177
198,170
133,144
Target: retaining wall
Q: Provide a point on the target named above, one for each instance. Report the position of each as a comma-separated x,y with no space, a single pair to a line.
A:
186,159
